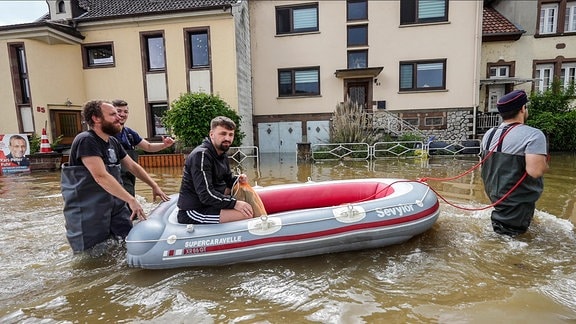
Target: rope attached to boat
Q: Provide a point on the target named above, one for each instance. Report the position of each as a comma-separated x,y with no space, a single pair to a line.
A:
490,152
424,181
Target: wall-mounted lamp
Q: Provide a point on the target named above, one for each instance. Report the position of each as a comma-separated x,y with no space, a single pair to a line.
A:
68,102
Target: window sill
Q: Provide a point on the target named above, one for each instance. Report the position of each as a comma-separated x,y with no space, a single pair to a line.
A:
425,24
300,97
298,34
421,91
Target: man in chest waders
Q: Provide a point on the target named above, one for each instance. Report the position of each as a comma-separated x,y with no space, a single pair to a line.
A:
517,149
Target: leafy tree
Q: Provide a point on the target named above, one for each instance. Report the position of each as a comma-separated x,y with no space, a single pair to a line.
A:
553,112
189,118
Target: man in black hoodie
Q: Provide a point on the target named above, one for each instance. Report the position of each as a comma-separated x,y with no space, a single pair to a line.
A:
207,180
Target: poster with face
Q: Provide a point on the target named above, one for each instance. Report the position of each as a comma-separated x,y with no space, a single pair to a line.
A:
13,151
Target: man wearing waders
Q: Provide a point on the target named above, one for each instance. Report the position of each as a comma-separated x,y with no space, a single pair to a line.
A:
513,149
95,203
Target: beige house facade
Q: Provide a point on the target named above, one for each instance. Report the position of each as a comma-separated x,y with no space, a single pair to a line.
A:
147,53
526,45
410,63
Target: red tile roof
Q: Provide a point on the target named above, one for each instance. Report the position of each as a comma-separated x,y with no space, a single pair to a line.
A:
495,24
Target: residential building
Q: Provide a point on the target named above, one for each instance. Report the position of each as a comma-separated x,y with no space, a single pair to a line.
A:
526,45
147,52
413,61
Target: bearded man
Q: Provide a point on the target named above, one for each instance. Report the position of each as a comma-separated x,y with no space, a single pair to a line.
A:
95,203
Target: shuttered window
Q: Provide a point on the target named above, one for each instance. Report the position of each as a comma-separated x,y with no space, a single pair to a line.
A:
297,19
299,82
423,11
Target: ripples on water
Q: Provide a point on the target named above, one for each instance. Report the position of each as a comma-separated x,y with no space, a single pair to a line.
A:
458,272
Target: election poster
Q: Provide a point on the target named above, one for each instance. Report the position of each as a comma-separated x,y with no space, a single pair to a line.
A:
13,151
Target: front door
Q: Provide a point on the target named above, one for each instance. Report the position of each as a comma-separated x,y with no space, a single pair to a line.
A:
68,123
495,92
359,91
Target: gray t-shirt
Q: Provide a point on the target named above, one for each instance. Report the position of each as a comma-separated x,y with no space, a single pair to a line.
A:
521,140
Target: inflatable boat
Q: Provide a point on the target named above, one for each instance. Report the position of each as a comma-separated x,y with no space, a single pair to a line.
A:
303,219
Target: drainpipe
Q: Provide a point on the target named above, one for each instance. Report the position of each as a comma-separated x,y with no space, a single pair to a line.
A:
477,42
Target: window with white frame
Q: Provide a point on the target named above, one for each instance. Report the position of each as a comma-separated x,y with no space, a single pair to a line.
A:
548,18
568,74
499,71
570,21
544,76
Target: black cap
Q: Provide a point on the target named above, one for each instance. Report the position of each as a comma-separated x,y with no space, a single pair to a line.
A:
512,101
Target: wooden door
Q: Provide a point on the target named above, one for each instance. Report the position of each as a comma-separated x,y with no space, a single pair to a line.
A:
68,123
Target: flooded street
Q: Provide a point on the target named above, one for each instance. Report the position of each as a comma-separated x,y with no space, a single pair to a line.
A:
458,272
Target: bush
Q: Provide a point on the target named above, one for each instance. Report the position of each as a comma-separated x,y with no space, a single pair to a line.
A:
351,124
189,118
553,112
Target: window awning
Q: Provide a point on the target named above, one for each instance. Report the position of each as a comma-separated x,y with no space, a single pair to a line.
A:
505,81
358,73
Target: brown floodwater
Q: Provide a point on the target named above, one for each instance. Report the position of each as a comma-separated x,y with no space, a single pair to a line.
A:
457,272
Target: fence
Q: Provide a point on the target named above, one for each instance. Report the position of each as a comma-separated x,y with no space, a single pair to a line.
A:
406,149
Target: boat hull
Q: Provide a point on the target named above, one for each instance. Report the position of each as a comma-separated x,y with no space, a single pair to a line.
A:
405,209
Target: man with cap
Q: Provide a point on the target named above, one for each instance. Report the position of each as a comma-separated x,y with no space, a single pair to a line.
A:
513,149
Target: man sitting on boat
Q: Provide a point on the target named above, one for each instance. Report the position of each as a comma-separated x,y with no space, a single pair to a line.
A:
205,193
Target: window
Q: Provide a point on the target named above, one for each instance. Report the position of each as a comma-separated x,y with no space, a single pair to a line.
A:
358,59
424,75
570,21
433,121
357,35
423,11
157,111
568,74
548,18
98,55
357,10
61,7
545,75
297,19
155,59
199,48
299,82
24,82
21,86
413,121
499,71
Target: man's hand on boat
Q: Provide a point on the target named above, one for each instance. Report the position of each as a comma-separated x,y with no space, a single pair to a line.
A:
157,192
137,211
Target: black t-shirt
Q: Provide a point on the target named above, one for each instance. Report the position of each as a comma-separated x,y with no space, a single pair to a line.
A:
89,144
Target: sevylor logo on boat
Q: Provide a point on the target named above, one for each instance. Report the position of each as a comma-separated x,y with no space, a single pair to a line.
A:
395,211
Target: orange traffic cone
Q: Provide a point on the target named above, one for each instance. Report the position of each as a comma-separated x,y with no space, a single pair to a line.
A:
44,143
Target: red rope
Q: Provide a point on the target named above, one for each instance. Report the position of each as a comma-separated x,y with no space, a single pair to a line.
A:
425,180
485,207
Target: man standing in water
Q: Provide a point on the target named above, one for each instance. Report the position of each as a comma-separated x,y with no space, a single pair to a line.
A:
94,200
130,140
513,149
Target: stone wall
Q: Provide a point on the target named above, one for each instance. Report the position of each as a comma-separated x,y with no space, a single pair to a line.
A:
459,125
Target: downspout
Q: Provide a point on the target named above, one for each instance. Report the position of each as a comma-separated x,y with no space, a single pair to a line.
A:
477,54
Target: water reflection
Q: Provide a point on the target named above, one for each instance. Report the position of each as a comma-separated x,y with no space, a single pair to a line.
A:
459,271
